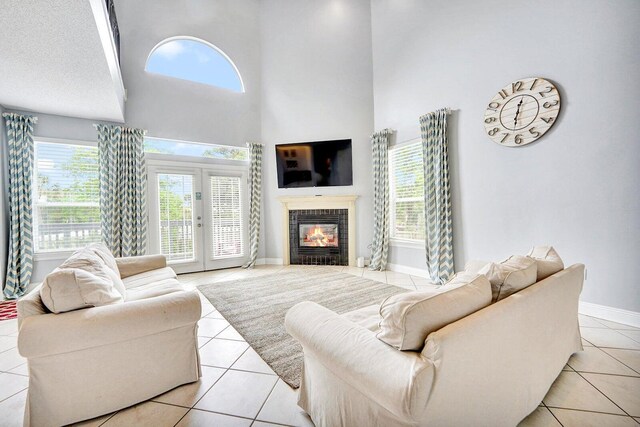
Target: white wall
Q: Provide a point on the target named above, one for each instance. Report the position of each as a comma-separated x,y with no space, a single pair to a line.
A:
179,109
577,187
316,85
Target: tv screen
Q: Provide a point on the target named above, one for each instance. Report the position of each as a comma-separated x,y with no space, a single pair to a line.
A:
314,164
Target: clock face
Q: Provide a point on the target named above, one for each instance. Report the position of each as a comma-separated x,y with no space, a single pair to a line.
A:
522,112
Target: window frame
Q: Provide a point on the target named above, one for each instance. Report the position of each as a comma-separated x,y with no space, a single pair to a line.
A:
399,241
52,254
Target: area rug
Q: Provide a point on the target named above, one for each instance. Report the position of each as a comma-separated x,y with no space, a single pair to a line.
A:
8,310
256,307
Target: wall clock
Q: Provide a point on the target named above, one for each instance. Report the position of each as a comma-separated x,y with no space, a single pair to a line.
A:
522,112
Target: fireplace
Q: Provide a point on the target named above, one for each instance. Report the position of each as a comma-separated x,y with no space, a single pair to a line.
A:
318,237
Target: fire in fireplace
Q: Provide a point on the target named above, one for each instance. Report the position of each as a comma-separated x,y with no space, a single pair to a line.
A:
318,235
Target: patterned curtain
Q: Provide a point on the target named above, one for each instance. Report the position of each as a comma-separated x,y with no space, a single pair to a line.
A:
123,189
380,246
255,192
437,196
20,254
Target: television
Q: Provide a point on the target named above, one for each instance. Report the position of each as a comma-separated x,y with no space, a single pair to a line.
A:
314,164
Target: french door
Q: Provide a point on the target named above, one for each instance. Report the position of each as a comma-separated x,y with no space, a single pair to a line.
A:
198,217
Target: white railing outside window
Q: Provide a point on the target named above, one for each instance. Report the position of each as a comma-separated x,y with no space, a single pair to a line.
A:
66,198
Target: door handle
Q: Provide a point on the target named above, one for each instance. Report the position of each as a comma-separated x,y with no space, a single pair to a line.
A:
199,225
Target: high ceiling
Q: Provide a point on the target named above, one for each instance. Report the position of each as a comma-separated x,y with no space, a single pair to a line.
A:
55,59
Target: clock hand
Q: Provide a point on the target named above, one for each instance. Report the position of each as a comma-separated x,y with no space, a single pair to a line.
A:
515,118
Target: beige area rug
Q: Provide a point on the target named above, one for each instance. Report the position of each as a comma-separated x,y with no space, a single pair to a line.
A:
256,307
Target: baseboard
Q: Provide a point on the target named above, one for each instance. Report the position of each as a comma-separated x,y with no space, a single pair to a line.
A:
269,261
613,314
408,270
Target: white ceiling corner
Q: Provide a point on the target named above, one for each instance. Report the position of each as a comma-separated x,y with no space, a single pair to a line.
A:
52,61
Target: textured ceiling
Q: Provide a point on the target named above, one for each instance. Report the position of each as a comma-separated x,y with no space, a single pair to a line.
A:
52,60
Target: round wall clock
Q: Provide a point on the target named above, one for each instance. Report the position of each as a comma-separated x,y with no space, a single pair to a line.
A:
522,112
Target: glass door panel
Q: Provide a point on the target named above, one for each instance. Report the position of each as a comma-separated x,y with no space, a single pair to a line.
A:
176,216
227,221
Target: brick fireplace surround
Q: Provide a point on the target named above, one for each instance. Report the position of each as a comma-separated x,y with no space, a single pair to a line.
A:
291,203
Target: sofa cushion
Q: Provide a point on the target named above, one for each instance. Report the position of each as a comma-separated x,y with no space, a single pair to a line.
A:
367,317
511,275
82,280
474,265
157,289
408,318
67,289
101,251
149,277
547,260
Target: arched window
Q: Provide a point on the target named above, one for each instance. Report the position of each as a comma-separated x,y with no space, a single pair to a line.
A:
193,59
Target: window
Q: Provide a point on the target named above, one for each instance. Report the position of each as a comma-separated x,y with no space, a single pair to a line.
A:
175,198
226,217
406,172
188,58
195,149
66,198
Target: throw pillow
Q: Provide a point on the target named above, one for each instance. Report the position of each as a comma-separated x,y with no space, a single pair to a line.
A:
67,289
408,318
509,276
548,260
83,280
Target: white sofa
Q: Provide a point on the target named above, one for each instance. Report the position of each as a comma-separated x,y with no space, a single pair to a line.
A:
490,368
93,361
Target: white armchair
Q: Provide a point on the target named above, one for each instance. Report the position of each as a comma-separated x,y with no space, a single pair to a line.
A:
93,361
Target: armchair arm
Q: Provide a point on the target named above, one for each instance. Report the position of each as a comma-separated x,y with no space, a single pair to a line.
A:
399,381
50,334
130,266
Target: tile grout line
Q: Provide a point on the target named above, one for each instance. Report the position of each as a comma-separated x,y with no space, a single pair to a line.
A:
265,400
592,385
590,411
634,370
108,418
552,414
18,392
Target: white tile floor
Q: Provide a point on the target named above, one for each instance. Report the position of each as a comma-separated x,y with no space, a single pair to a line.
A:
599,387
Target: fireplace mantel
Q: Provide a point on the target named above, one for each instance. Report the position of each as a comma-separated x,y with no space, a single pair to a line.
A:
319,202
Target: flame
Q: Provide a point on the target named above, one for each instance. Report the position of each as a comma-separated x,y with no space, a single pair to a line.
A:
316,237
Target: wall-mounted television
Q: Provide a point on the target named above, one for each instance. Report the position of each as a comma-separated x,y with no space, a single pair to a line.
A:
314,164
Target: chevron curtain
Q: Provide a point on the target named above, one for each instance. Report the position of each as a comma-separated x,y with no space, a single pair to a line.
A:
123,189
380,246
437,196
255,195
19,130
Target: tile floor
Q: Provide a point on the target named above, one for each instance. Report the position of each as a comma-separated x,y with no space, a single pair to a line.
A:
598,387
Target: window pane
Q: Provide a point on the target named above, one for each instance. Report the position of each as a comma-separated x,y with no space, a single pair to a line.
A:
195,149
226,217
175,198
65,196
194,60
407,192
409,220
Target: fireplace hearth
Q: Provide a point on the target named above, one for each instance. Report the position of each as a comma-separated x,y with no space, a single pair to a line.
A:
318,237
